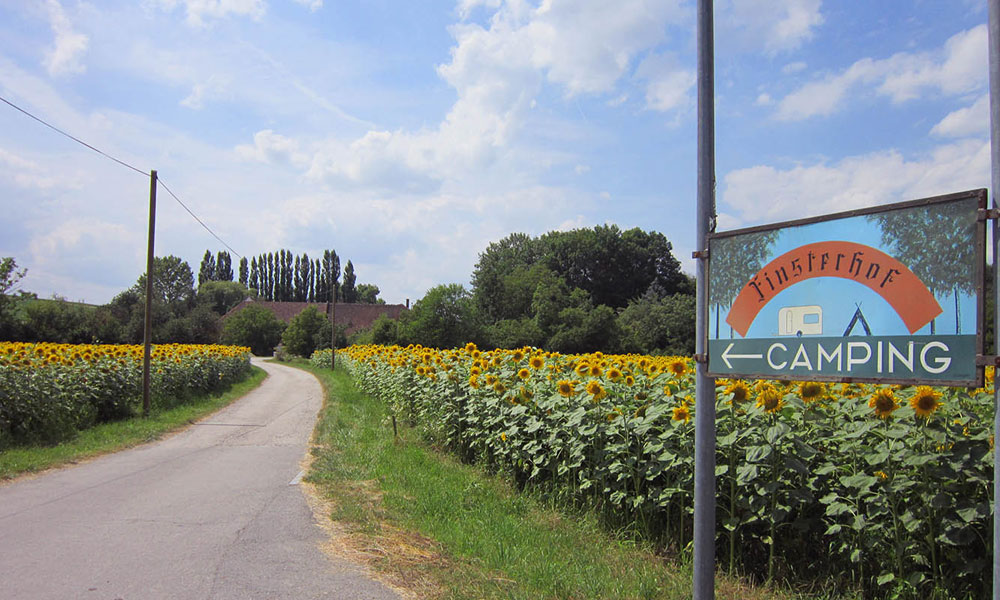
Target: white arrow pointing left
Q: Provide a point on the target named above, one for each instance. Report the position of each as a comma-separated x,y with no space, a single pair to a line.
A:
726,355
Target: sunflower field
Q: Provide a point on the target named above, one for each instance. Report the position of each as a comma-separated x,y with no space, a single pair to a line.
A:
49,392
881,490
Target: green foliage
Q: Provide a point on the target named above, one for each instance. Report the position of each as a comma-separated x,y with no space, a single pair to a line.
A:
306,332
348,291
367,293
220,296
652,325
57,320
9,278
443,318
569,285
255,327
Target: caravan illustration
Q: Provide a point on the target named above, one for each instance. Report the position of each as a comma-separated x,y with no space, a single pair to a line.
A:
800,320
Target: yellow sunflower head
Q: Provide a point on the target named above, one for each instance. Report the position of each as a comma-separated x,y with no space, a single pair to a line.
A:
884,402
769,398
739,390
811,391
566,388
678,367
595,389
524,374
536,362
682,413
925,401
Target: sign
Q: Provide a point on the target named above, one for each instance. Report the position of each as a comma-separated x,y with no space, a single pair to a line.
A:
890,294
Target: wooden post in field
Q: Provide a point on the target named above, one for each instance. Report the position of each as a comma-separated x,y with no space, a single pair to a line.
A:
147,330
333,325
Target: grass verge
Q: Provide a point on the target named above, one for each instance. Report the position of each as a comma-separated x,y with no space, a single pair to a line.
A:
441,529
111,437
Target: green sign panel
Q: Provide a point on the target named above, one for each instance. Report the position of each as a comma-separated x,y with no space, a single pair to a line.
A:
890,294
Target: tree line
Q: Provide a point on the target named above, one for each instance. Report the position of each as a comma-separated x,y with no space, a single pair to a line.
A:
583,290
182,312
285,277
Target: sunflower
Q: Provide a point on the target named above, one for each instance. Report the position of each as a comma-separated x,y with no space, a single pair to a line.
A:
678,367
884,402
629,380
470,347
474,382
595,371
595,389
769,398
566,388
925,401
682,413
524,374
499,387
810,391
739,390
536,362
518,355
614,374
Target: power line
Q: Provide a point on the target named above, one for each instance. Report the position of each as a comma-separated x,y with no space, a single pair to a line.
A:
77,140
124,164
160,181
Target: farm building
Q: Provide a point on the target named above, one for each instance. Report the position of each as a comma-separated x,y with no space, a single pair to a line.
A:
353,316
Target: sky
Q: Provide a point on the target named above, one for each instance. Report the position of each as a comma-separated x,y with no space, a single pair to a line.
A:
408,136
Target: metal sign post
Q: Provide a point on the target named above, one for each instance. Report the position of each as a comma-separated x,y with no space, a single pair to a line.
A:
704,415
147,331
994,44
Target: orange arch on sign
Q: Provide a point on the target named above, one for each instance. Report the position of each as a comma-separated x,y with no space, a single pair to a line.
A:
886,276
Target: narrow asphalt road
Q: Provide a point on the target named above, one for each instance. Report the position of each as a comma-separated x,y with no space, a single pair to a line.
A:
213,512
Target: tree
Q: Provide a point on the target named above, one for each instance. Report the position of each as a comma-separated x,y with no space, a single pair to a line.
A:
612,265
9,278
331,275
207,270
348,290
223,267
733,262
443,318
244,272
301,337
256,327
254,282
937,243
220,296
173,282
659,325
367,293
496,263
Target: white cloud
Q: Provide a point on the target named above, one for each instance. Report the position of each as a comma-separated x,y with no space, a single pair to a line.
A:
775,25
312,5
969,121
959,67
214,87
200,10
763,193
793,67
669,84
270,147
25,173
765,100
69,46
581,169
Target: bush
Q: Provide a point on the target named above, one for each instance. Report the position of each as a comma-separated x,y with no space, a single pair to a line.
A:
255,327
305,333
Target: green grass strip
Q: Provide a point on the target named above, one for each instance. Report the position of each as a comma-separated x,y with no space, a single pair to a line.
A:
482,538
111,437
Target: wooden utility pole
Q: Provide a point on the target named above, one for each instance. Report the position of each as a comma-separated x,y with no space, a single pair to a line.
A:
147,330
333,325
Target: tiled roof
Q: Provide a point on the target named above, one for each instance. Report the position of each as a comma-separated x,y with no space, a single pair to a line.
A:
354,316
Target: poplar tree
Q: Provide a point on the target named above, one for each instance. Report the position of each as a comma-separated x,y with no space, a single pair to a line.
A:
349,292
207,270
244,271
